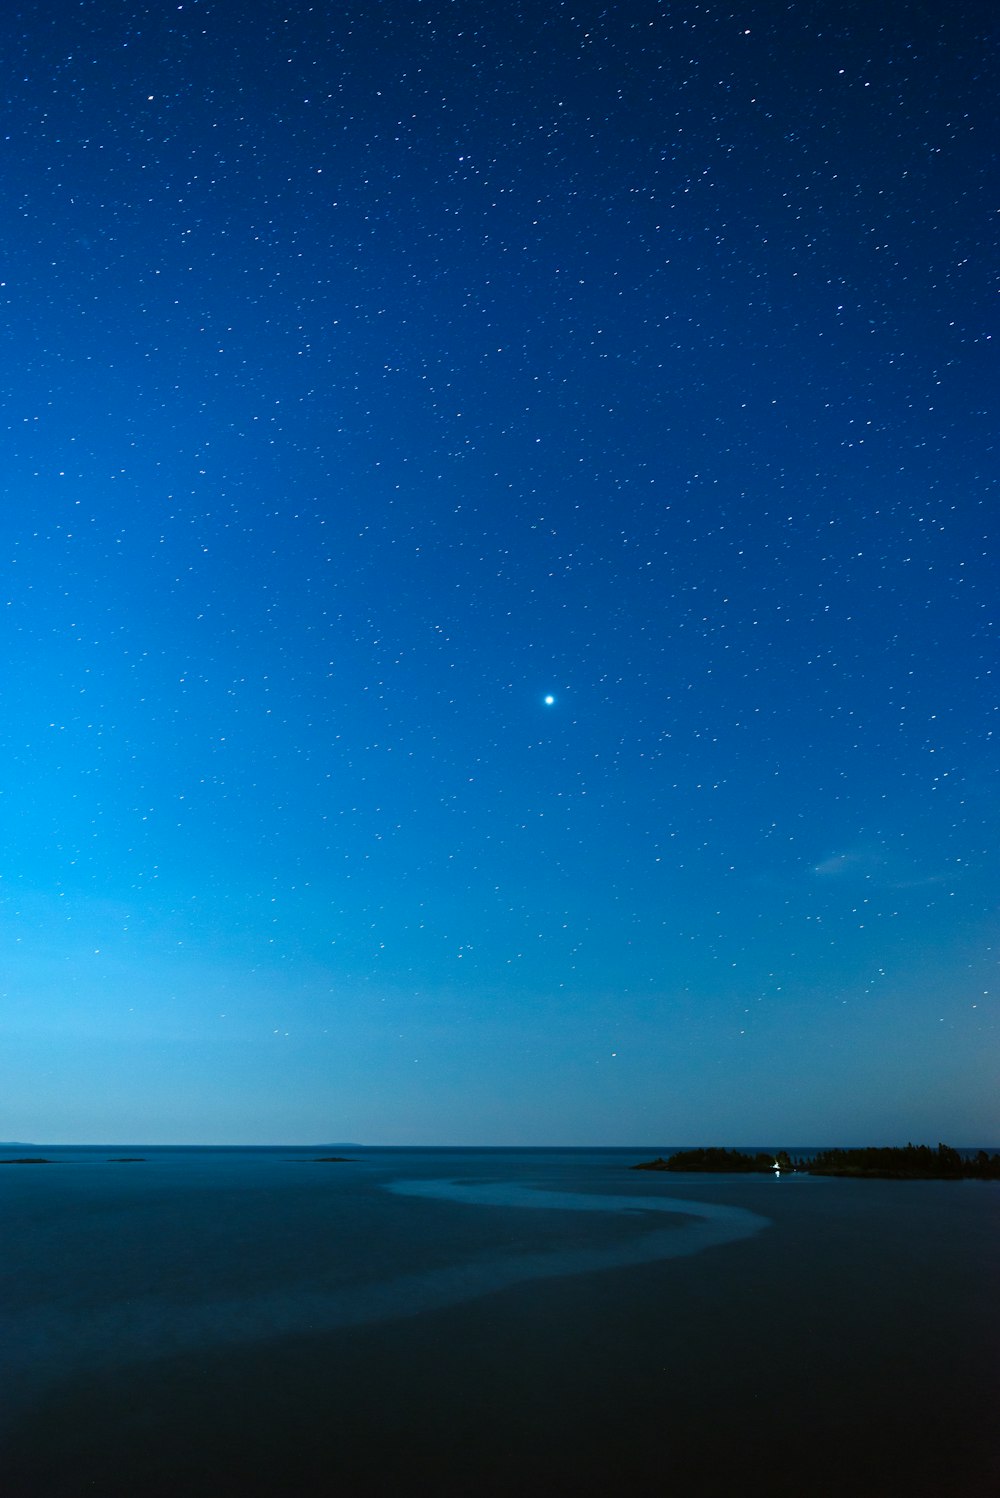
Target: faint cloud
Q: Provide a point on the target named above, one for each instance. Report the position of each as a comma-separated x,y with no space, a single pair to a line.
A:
922,881
858,864
877,868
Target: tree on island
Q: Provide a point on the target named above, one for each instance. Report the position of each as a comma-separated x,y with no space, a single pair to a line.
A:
912,1163
715,1159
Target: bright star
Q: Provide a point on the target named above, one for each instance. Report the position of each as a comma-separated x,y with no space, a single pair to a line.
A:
549,701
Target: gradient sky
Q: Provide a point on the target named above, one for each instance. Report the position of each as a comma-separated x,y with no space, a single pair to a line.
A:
372,374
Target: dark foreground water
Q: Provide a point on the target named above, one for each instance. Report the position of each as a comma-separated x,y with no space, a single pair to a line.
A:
450,1322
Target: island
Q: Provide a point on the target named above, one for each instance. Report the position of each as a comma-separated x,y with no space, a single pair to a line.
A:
910,1163
915,1162
29,1160
720,1160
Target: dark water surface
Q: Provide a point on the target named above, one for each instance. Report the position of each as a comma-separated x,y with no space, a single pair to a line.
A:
450,1322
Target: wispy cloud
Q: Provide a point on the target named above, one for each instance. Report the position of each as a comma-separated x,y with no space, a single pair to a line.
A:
876,868
857,864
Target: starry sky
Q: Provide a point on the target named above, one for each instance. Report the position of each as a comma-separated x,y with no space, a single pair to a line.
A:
500,572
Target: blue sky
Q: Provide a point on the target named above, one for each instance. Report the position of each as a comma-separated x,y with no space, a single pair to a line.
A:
376,373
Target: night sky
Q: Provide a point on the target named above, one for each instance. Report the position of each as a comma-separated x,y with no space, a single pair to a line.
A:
499,533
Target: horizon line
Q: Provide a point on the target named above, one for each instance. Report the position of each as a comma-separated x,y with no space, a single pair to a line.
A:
429,1145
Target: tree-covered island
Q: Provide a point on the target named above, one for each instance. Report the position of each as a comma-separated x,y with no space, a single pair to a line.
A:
721,1160
914,1162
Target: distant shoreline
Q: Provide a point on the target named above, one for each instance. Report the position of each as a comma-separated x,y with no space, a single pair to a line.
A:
907,1162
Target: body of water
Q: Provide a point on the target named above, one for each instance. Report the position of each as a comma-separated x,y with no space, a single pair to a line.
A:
490,1322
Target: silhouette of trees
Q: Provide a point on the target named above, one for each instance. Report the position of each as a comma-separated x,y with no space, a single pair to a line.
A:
711,1159
914,1162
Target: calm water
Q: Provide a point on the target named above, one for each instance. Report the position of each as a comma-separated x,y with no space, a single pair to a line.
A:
490,1322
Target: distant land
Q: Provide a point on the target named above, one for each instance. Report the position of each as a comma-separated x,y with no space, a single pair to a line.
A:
23,1144
912,1163
909,1161
141,1159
